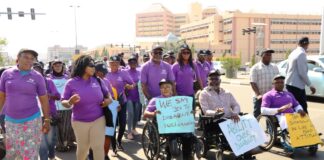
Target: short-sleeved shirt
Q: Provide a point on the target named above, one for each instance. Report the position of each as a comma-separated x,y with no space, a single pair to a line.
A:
151,107
184,77
204,69
21,92
51,90
91,95
133,94
152,74
275,99
262,75
108,85
118,80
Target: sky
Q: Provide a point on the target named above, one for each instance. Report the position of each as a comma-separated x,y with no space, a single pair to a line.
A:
102,22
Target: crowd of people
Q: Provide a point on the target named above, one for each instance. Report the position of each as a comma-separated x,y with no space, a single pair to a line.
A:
50,109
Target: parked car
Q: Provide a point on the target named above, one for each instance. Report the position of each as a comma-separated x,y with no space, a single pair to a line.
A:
218,65
315,73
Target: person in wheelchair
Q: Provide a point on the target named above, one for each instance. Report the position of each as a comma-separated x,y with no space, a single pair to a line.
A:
186,138
278,102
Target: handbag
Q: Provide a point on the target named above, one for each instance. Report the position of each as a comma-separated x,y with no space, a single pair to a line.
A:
107,112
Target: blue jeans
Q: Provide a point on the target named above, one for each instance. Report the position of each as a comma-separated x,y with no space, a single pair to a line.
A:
48,142
133,112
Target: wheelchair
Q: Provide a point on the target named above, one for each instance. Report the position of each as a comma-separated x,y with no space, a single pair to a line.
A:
160,146
274,133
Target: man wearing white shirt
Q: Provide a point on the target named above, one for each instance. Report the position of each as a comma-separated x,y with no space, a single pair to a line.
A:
296,73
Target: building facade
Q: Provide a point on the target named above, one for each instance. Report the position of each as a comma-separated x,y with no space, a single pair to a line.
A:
62,53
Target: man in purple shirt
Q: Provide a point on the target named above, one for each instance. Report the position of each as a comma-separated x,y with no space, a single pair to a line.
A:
203,67
153,71
209,57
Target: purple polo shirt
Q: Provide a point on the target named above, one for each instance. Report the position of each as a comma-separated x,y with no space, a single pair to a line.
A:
133,94
204,69
119,79
152,74
275,99
51,90
21,92
151,107
108,85
184,77
88,108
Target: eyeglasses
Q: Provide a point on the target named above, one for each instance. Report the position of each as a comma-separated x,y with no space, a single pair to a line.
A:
158,52
186,53
91,65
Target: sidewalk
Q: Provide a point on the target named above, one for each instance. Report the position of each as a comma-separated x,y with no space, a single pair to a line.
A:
242,79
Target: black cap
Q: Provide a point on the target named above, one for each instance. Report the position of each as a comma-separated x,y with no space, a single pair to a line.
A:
215,72
24,50
184,46
146,55
165,55
114,58
267,50
101,67
132,57
37,65
157,46
201,52
208,52
303,41
164,81
278,76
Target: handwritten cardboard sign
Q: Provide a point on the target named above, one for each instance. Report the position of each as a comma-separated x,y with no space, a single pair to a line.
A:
60,84
301,131
176,116
113,108
244,135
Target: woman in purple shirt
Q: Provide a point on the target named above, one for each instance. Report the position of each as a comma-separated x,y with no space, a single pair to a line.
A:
85,95
133,99
186,72
19,87
47,147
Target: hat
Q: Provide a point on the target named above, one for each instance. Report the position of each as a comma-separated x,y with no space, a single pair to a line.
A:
278,76
101,67
303,40
157,46
164,81
132,57
208,52
114,58
165,55
215,72
38,65
146,55
267,50
34,53
201,52
184,46
56,61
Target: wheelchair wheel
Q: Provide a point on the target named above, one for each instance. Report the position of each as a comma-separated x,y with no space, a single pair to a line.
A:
151,141
270,130
313,150
201,148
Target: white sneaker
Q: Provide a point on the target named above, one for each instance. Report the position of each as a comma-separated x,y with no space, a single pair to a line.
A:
135,133
130,136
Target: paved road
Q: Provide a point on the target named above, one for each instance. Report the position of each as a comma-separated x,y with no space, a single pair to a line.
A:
243,95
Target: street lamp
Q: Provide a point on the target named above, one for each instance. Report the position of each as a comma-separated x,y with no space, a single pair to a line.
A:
77,51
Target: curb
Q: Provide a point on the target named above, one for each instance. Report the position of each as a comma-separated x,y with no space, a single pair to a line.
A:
236,82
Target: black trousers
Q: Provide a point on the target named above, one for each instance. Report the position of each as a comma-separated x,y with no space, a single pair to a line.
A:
121,121
300,95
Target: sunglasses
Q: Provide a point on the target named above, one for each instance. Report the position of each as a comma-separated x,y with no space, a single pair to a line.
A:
158,52
185,53
91,65
214,79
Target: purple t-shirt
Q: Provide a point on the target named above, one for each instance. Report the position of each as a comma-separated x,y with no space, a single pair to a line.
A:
108,85
275,99
152,74
184,77
88,108
204,69
21,92
151,107
133,94
118,80
51,90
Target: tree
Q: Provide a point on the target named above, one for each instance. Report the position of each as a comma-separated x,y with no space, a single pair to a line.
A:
231,64
96,55
3,42
287,53
253,60
105,52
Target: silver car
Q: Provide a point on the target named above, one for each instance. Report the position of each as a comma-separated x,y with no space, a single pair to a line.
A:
315,73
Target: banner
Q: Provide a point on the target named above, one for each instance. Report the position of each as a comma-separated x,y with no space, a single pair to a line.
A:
301,131
60,84
244,135
113,108
175,115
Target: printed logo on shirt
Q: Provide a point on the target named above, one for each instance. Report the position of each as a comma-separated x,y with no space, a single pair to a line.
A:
163,71
30,80
119,78
206,68
94,85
